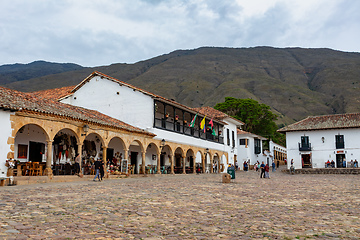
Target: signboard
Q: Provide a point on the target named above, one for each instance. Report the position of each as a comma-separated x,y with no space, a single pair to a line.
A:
124,166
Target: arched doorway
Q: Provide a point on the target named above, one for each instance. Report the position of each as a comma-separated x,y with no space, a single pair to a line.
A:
135,157
216,163
190,161
114,155
65,147
165,159
198,162
178,160
30,150
151,159
91,150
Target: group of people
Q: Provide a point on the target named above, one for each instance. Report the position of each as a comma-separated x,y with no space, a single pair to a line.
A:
264,170
99,169
331,164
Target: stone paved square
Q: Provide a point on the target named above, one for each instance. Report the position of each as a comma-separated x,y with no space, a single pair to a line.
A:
185,207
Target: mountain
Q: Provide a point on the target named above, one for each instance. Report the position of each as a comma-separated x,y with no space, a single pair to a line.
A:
20,72
295,82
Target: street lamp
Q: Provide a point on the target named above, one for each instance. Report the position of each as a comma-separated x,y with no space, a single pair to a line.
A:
85,129
162,144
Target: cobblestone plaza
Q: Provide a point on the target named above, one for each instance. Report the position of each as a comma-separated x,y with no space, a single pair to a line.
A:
185,207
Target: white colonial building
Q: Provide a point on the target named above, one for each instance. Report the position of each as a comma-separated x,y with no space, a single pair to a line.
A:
110,119
315,140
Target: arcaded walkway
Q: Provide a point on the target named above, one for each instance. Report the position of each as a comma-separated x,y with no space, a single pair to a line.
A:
185,207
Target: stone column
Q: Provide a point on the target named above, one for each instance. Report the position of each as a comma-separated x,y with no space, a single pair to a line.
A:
80,155
126,156
48,170
143,162
194,165
172,163
184,164
158,164
104,161
203,160
211,165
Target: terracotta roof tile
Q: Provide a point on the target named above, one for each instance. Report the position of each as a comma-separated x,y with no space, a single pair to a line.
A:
336,121
55,93
242,132
29,102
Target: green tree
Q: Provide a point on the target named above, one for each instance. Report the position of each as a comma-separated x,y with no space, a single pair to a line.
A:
257,117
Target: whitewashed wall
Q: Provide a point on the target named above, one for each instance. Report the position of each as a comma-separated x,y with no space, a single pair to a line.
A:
5,134
246,153
108,97
322,151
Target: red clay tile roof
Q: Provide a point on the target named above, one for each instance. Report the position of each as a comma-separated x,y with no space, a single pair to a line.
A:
336,121
27,102
54,94
216,114
240,132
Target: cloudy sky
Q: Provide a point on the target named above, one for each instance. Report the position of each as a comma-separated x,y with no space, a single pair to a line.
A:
101,32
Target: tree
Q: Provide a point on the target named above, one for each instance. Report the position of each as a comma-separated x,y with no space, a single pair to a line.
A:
257,117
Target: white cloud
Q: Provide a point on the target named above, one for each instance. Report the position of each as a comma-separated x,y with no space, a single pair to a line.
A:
101,32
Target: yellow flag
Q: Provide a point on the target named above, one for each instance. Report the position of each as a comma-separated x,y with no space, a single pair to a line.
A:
202,124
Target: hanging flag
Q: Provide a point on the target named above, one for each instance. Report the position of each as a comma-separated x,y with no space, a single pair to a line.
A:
192,124
213,132
202,124
211,123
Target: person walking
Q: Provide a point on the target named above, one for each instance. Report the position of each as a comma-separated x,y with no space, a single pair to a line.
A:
97,165
262,168
267,168
273,166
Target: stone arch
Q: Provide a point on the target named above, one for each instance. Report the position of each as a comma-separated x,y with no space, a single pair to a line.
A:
179,156
216,161
115,149
29,143
67,129
137,143
92,147
153,144
135,156
65,144
18,128
153,158
167,156
190,161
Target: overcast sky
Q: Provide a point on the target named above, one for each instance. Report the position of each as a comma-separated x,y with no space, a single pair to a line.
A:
101,32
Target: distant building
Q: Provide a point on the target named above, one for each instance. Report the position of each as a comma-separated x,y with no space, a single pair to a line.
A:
250,149
315,140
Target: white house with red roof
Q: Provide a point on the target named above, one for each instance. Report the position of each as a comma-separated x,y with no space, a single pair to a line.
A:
315,140
103,117
167,119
